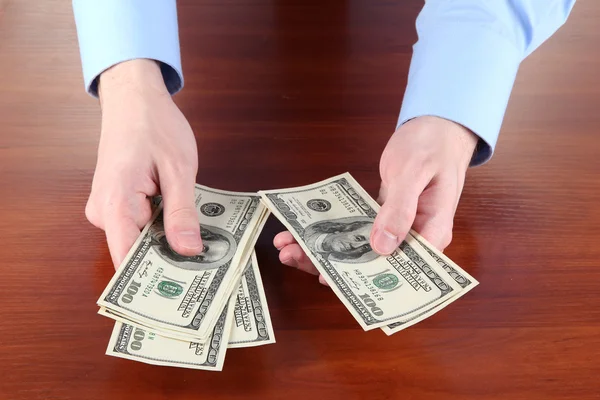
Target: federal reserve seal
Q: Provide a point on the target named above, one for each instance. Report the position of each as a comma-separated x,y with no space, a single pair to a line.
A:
320,205
386,281
212,209
169,289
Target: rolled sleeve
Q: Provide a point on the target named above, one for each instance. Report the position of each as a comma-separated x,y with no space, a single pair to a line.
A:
113,31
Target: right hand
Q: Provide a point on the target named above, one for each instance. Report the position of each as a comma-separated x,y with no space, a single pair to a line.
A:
146,148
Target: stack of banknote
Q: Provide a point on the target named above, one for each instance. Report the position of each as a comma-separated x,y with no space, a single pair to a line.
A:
186,311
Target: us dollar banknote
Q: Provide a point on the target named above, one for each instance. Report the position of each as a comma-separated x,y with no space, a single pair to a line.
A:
146,346
158,288
251,321
332,221
251,318
460,276
125,320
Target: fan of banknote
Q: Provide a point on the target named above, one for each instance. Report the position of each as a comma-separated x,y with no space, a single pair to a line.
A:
187,311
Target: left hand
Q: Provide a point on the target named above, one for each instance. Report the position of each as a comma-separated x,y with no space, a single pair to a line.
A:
422,171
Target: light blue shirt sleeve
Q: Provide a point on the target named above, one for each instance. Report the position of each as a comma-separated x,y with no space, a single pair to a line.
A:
466,59
113,31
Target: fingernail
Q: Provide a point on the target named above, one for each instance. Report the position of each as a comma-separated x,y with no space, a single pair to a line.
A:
189,240
385,242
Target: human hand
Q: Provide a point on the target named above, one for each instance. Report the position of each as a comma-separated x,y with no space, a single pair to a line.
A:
422,171
146,147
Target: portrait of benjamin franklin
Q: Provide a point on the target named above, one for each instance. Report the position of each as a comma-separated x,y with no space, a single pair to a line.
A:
345,239
219,248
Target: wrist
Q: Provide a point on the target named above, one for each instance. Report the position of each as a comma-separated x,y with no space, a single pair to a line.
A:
462,139
142,76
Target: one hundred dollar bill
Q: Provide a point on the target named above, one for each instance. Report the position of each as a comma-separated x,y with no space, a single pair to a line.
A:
332,221
460,276
159,288
251,319
126,320
144,345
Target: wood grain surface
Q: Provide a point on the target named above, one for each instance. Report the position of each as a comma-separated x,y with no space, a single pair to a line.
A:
283,93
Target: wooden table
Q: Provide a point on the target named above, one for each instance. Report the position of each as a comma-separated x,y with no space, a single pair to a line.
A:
284,93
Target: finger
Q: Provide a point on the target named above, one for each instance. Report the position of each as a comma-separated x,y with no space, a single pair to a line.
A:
322,281
396,214
121,233
143,210
383,190
182,227
283,239
435,215
293,256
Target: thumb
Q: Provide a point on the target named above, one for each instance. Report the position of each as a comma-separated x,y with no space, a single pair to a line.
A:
180,217
396,215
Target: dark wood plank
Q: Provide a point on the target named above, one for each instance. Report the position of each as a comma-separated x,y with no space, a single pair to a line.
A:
284,93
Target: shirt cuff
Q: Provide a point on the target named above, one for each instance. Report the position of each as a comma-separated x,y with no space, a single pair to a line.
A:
465,74
113,31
